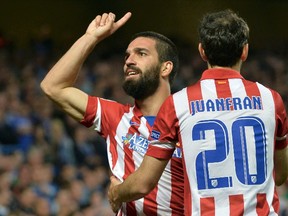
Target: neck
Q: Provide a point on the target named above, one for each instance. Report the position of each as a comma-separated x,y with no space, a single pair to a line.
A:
236,67
151,105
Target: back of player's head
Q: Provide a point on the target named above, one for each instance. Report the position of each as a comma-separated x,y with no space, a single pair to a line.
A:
223,35
166,49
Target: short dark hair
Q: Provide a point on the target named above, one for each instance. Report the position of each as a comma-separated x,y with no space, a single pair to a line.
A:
166,49
223,35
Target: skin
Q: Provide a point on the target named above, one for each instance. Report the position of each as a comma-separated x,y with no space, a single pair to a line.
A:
281,166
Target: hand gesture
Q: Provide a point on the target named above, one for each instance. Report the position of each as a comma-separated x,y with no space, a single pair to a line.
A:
104,25
115,205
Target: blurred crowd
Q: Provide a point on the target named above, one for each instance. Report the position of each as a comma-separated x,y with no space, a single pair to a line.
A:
50,164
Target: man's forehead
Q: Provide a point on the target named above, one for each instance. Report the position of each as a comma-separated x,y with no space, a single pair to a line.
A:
142,43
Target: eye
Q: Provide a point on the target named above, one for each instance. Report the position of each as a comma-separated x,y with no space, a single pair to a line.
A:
126,57
142,54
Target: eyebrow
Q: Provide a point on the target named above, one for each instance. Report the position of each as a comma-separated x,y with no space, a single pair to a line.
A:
138,49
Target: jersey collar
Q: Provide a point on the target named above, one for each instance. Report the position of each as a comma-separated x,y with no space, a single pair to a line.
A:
220,73
137,111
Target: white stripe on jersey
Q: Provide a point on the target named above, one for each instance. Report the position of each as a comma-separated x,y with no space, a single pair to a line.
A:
237,88
97,120
210,87
119,168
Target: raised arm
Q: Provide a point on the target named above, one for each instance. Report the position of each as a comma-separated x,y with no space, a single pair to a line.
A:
138,184
58,83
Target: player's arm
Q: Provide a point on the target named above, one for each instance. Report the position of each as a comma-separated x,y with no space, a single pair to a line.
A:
281,154
58,83
281,166
138,184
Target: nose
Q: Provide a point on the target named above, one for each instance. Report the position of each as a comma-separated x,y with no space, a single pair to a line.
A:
130,60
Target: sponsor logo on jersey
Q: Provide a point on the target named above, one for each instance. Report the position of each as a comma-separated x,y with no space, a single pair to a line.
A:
177,153
140,144
136,142
155,135
133,123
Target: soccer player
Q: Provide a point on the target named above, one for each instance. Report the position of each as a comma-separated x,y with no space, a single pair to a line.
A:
233,133
151,62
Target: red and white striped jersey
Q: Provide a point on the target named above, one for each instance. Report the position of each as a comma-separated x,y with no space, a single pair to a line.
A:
228,127
126,132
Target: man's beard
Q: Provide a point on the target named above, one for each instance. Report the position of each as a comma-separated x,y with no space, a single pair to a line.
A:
145,85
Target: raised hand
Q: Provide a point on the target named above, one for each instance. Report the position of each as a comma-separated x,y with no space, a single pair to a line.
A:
104,25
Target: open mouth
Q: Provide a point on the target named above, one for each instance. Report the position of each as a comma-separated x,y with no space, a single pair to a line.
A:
131,72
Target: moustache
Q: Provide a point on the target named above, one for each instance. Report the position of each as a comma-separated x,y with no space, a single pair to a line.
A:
134,68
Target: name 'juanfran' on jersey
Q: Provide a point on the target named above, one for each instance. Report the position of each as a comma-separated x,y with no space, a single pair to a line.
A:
226,104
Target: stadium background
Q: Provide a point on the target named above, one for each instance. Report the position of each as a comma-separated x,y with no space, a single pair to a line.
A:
50,165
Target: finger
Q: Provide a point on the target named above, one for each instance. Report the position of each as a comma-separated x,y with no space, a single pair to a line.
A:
103,19
97,20
123,20
110,18
112,178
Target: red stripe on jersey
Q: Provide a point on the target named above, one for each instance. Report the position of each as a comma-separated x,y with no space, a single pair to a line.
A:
207,206
251,89
236,205
130,209
262,207
187,193
177,180
113,151
150,207
150,199
194,93
275,201
91,108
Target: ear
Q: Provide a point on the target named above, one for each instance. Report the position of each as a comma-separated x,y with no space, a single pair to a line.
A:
202,52
245,52
166,68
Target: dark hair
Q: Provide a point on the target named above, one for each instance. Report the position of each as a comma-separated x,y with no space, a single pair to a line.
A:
223,35
166,49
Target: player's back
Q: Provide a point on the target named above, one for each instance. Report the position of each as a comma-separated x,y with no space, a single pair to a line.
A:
227,126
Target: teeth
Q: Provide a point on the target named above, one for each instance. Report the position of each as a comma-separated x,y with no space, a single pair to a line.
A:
132,73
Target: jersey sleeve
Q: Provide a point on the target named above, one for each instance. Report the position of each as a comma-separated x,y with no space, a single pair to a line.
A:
282,124
102,115
160,150
90,113
164,132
